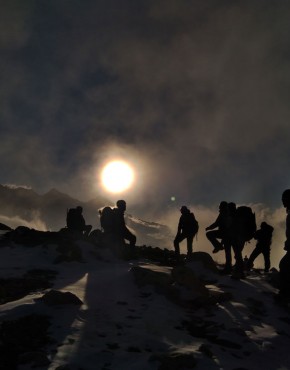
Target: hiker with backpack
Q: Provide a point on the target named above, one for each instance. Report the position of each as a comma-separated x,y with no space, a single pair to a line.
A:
121,230
284,266
221,225
243,230
75,221
228,238
187,229
115,231
264,240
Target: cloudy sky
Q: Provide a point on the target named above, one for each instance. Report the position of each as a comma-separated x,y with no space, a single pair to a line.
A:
194,94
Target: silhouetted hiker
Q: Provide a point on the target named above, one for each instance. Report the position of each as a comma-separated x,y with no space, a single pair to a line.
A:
243,230
108,236
107,220
227,240
121,230
75,221
264,240
187,229
284,265
221,224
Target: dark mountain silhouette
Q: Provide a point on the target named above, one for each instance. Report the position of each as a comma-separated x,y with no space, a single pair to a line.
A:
51,207
4,227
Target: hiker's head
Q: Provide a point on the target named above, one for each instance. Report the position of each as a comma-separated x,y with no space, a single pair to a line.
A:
79,209
223,206
121,204
264,225
232,207
184,210
286,198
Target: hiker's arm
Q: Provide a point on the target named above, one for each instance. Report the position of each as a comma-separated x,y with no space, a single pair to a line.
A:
180,225
214,225
82,221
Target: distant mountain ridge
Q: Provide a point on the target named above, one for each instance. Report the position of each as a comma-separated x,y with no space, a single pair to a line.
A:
51,207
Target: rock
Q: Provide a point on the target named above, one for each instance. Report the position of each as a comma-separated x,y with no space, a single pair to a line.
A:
146,276
33,280
4,227
31,237
24,340
202,328
186,277
55,297
220,297
206,260
175,361
69,251
160,279
36,358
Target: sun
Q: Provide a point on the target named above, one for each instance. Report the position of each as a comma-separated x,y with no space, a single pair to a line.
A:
117,176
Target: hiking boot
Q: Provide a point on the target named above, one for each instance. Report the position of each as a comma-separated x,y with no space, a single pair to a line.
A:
226,271
237,275
248,265
189,256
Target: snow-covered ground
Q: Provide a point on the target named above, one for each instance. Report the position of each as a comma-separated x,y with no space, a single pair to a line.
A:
123,325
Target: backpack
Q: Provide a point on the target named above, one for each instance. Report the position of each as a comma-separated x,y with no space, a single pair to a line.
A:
195,225
245,223
71,218
107,219
265,233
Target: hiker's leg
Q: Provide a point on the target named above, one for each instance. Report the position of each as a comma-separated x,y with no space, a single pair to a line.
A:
238,248
266,254
87,230
284,277
130,237
212,236
178,239
189,245
228,253
253,256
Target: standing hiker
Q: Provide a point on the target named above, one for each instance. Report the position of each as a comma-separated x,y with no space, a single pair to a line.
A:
187,229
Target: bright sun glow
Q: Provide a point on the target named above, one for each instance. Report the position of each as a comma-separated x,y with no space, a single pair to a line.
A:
117,176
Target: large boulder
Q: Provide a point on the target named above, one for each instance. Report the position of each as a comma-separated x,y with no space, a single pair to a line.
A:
191,290
205,260
151,275
185,277
157,276
55,298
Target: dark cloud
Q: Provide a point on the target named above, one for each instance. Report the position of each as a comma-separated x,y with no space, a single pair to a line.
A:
195,92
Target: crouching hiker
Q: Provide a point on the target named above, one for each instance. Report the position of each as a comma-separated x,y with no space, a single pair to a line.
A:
122,231
113,224
221,227
76,223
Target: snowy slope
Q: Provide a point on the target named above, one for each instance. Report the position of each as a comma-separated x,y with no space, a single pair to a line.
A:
123,324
